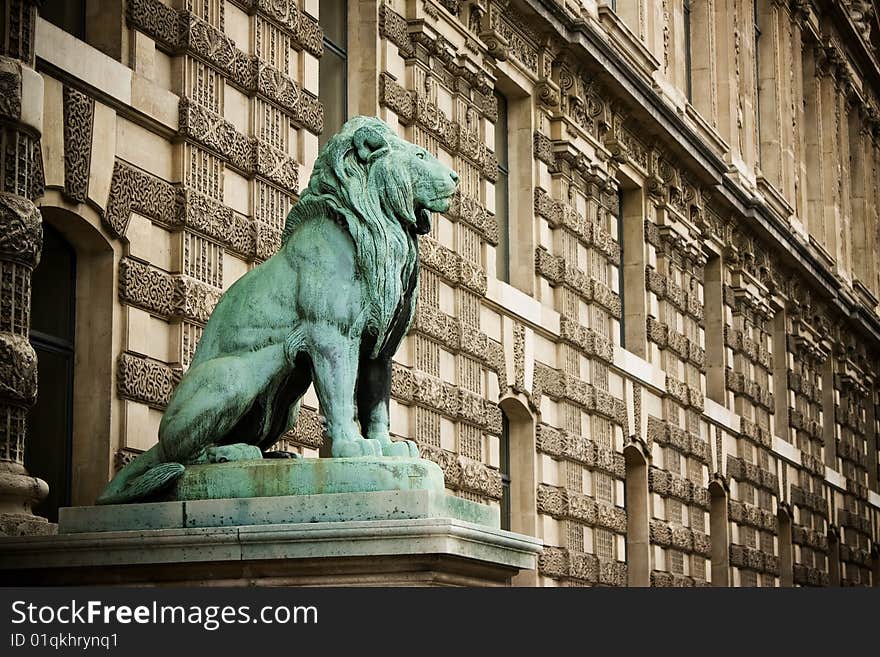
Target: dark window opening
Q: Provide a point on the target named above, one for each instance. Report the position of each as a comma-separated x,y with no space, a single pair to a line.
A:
50,422
504,470
333,67
502,192
687,51
69,15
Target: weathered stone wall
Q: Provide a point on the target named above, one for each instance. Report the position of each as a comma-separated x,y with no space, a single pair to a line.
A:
737,352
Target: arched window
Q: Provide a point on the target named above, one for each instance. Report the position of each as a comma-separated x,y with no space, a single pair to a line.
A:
638,543
50,423
833,556
517,467
719,528
504,470
786,556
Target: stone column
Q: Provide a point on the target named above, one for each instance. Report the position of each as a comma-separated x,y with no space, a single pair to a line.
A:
797,98
730,77
829,62
21,240
773,106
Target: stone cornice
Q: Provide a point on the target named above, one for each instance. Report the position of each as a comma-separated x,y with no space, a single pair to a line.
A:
625,81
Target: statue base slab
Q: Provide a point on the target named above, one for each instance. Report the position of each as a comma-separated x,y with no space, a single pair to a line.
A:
382,538
280,477
281,509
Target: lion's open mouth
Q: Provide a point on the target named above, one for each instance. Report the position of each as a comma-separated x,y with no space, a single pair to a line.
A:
423,221
439,203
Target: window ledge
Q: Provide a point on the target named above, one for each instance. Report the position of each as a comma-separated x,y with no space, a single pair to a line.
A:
706,131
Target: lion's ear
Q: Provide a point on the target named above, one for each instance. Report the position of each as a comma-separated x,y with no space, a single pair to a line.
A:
367,142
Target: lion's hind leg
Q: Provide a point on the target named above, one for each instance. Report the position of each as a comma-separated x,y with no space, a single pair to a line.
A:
213,397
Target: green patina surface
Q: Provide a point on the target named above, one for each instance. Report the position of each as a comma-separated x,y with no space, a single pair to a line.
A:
329,309
271,478
277,510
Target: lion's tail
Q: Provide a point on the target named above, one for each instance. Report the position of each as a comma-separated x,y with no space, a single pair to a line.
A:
140,479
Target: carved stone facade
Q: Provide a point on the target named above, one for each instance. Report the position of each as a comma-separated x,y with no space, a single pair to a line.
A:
691,244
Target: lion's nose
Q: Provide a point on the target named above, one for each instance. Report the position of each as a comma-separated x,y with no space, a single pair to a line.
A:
454,177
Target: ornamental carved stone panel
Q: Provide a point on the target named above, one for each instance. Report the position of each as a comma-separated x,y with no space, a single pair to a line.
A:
79,117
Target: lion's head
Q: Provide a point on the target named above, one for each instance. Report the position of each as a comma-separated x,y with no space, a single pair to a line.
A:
383,188
367,169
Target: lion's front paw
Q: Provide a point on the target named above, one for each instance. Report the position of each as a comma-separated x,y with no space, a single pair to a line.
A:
400,448
355,447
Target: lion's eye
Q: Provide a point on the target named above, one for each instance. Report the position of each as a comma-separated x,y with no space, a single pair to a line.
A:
420,155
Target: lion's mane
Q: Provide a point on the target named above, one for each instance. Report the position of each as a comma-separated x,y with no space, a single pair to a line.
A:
375,200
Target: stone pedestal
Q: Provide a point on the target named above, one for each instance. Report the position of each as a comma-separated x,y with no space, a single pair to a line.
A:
403,530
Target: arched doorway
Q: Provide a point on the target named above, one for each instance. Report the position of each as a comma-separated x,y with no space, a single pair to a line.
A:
71,428
48,454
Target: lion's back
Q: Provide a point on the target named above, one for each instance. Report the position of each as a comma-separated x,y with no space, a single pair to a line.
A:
250,315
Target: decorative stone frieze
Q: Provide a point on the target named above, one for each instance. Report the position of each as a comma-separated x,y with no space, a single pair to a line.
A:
510,28
182,32
813,501
176,29
10,89
756,433
749,514
543,149
470,211
21,231
201,214
18,370
413,107
809,576
666,483
754,559
463,473
304,109
562,563
175,207
454,268
393,26
686,442
680,538
123,457
145,380
170,296
562,444
248,155
79,116
585,339
810,538
662,579
133,190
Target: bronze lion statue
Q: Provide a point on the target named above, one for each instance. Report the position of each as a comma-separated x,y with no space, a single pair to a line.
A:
330,308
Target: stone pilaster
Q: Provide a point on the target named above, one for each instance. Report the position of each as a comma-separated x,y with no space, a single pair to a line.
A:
21,239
